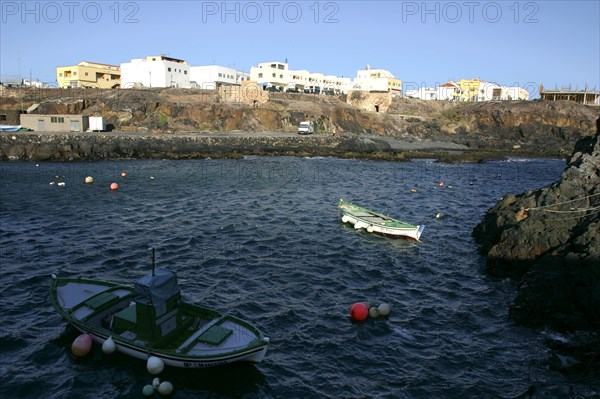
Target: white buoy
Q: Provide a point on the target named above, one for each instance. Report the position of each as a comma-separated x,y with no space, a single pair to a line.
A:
156,383
109,347
155,365
61,184
89,180
384,309
165,388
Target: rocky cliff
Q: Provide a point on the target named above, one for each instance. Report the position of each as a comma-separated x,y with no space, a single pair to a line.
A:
545,128
551,237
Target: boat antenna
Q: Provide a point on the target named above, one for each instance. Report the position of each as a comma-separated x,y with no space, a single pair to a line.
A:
152,259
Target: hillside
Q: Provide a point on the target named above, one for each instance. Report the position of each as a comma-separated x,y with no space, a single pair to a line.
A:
544,128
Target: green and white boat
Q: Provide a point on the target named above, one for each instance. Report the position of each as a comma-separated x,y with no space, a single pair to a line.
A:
151,319
374,222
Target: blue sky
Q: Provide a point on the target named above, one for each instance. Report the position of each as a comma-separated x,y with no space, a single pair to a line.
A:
555,43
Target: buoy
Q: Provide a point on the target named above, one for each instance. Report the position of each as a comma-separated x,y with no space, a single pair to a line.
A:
345,219
148,390
51,183
439,215
123,174
89,180
441,184
61,184
151,177
412,190
114,186
156,383
373,312
109,347
82,345
384,309
155,365
165,388
359,311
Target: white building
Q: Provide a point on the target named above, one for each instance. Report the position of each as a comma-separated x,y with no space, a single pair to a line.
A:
376,80
209,76
423,93
278,75
155,71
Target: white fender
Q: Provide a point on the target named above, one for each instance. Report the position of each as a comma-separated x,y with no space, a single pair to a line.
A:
345,219
370,229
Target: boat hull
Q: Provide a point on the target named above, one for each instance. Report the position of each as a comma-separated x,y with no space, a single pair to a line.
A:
255,355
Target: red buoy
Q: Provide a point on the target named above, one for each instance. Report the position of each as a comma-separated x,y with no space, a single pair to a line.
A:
359,311
82,345
114,186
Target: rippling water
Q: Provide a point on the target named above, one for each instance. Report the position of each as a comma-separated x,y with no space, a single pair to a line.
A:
261,238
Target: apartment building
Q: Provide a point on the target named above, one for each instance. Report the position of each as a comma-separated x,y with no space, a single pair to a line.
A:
89,75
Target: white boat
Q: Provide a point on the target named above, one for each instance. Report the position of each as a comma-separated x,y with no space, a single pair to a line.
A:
151,319
10,128
374,222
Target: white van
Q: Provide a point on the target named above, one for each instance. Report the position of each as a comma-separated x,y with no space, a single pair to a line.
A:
306,128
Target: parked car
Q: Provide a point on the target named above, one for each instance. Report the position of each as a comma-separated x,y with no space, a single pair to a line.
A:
306,127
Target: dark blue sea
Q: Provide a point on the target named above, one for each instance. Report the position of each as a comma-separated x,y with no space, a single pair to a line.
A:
261,238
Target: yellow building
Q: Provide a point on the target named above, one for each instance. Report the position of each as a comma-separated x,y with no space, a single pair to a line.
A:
90,75
470,89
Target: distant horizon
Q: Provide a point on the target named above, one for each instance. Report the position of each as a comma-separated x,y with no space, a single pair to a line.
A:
425,44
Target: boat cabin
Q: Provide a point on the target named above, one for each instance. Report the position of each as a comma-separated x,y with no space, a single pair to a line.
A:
155,313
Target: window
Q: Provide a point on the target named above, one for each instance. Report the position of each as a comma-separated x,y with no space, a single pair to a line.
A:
273,75
60,74
281,76
74,73
57,119
280,66
220,75
2,117
260,75
86,74
185,72
169,69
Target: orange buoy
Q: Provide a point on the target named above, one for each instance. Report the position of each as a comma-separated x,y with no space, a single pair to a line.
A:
82,345
123,174
114,186
359,311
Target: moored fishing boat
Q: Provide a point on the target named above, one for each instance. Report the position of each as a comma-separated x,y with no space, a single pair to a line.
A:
151,319
374,222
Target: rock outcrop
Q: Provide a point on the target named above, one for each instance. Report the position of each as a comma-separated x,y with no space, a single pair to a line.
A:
551,237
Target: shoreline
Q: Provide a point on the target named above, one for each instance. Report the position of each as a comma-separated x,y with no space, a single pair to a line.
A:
92,146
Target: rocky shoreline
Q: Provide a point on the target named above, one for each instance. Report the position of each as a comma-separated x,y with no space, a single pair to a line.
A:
550,239
46,146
